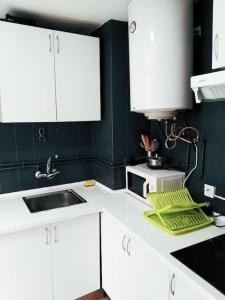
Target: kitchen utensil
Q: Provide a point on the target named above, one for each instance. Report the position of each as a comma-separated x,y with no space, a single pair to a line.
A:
156,161
143,141
147,142
175,212
154,145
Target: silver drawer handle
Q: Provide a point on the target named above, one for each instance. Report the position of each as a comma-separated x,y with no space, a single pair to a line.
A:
216,46
172,285
123,243
128,247
57,38
50,41
56,238
47,235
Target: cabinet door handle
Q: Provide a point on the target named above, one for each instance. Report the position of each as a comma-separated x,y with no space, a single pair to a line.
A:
47,235
123,243
172,285
57,38
128,247
50,42
216,46
56,238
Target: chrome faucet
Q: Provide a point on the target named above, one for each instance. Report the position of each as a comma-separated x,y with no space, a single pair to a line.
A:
48,167
50,174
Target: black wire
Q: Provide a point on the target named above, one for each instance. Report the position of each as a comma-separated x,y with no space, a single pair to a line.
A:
219,226
161,128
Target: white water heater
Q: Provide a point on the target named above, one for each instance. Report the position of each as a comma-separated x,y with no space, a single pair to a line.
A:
160,44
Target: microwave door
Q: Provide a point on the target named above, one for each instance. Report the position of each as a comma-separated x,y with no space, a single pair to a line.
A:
137,184
145,189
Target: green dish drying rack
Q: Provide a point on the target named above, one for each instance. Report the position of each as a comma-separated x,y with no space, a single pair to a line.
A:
175,212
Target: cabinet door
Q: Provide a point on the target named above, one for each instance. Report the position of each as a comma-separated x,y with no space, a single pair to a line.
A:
77,70
25,261
115,265
148,275
27,84
129,269
76,257
218,55
181,289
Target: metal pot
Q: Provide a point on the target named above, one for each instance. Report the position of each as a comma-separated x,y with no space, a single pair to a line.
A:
156,162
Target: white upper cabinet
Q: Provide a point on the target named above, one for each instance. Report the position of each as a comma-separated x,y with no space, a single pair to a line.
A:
218,51
77,69
27,85
48,76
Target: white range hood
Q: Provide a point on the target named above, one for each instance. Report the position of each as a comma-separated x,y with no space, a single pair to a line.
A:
209,87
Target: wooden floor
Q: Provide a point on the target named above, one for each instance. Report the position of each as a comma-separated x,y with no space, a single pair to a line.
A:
97,295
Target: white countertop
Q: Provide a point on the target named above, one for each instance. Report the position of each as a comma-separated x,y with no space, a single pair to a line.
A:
15,216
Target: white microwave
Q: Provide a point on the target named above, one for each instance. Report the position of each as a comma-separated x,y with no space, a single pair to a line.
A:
140,180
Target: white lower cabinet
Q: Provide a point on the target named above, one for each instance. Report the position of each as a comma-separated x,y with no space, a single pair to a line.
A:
114,259
129,269
75,257
25,265
148,276
59,261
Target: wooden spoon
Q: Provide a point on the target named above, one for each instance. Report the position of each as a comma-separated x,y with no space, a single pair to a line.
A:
147,143
143,141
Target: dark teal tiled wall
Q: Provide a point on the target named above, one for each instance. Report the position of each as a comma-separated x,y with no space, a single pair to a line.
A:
21,153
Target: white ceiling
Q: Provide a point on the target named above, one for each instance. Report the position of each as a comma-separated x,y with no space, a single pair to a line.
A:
78,15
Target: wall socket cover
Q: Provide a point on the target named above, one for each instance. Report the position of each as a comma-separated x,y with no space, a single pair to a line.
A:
209,190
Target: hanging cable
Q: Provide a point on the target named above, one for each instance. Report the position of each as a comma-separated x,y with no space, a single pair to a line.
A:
195,166
176,134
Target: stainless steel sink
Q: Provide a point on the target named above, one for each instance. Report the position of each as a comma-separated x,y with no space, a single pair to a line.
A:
52,200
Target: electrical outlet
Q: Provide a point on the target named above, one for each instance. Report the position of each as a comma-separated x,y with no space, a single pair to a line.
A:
209,190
